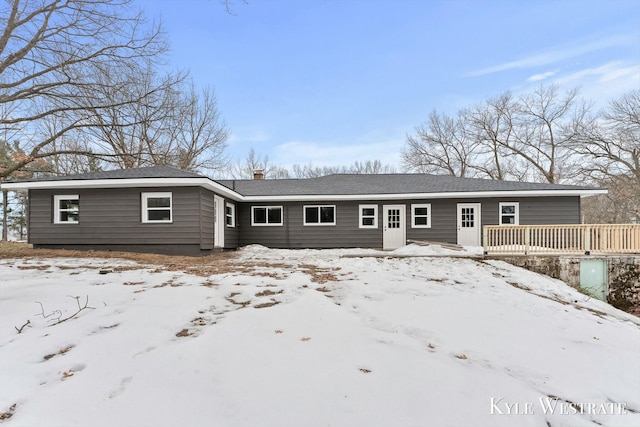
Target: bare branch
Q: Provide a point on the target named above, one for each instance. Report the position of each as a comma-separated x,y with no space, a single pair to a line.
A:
59,319
22,327
51,54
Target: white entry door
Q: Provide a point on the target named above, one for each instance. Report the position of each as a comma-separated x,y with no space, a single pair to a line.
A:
218,222
394,230
469,224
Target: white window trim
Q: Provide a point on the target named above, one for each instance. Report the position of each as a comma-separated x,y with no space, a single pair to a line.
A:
361,216
57,210
145,208
413,215
232,215
516,213
267,224
318,224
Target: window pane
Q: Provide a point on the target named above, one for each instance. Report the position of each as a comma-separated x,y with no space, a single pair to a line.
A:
275,215
159,202
393,218
227,209
327,214
311,215
508,219
71,204
420,220
367,221
69,217
508,209
159,215
368,212
422,211
259,215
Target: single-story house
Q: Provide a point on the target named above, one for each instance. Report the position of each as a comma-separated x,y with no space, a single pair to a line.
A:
166,210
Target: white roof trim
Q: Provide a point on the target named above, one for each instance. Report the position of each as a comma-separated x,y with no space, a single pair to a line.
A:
227,192
445,195
124,183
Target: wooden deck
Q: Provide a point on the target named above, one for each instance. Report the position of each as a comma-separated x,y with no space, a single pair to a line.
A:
562,239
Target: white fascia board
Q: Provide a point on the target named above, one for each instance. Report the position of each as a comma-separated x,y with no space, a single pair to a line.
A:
456,195
124,183
227,192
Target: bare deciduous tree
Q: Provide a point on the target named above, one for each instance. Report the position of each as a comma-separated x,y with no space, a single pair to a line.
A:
51,50
443,144
129,134
245,168
547,122
357,168
201,136
609,146
492,127
502,138
371,167
173,124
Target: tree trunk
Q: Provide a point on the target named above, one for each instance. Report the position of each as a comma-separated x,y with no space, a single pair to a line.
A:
5,214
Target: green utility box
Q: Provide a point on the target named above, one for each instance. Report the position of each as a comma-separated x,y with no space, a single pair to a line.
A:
593,277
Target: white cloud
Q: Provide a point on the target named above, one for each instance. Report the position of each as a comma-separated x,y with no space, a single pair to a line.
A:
599,84
541,76
554,54
605,82
254,136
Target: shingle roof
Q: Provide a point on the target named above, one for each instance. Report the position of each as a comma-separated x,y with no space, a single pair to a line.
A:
344,184
330,185
147,172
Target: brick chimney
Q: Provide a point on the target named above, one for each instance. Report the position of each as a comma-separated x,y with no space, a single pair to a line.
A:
258,174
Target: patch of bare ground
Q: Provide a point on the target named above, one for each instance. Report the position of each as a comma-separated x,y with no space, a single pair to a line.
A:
8,413
268,292
202,266
267,304
60,352
318,274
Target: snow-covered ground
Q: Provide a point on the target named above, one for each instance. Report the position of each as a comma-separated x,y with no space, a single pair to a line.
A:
311,338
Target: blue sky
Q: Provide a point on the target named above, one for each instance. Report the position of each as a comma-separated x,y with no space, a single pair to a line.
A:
333,82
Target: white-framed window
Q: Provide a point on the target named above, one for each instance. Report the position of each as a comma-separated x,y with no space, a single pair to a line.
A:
66,209
157,207
509,213
319,215
421,215
266,215
230,214
368,216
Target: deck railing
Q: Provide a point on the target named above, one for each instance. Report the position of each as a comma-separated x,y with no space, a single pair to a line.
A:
551,239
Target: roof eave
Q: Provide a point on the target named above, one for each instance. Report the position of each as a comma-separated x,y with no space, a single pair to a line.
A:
227,192
123,183
441,195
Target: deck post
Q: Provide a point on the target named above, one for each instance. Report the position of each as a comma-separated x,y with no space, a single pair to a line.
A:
485,241
587,240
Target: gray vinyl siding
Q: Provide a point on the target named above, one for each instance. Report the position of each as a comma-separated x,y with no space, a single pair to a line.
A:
231,233
293,234
113,217
346,232
532,211
206,219
549,210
